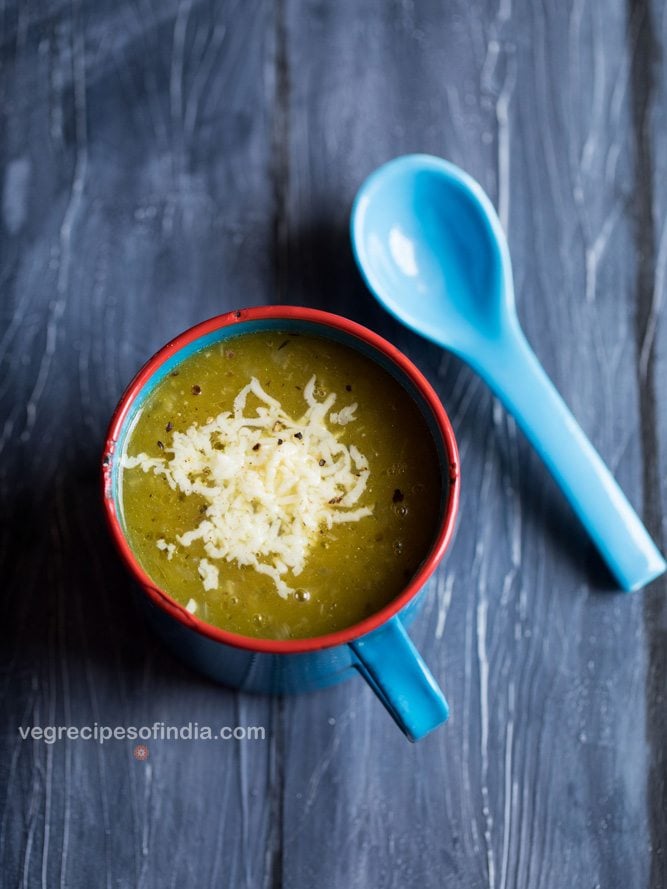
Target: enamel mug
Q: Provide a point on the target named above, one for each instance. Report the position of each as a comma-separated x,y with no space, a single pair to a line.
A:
378,647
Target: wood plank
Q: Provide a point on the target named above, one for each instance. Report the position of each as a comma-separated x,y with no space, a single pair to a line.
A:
539,779
650,25
136,201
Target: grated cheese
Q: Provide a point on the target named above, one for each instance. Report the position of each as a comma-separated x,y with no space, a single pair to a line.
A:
270,482
169,548
344,416
209,574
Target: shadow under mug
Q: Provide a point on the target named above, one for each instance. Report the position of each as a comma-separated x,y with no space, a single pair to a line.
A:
377,647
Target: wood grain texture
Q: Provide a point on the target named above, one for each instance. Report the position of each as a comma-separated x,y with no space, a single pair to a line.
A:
136,201
651,333
162,162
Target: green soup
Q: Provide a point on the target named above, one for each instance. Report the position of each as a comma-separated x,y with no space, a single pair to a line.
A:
209,483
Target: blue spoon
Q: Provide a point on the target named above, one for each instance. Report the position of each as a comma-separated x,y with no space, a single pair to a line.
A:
430,247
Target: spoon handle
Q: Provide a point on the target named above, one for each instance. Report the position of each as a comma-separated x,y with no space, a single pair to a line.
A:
516,376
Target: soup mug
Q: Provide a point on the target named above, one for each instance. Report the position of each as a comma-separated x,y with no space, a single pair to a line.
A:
377,647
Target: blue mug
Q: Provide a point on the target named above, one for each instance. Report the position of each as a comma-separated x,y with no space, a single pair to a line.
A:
378,647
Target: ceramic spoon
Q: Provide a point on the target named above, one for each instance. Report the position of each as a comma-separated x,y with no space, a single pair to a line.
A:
430,247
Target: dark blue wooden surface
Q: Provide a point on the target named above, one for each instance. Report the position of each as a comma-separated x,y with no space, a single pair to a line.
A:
162,162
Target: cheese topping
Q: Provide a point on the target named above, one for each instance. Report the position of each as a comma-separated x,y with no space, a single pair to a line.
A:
169,548
270,483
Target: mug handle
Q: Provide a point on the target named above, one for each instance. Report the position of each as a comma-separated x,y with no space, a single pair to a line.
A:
394,669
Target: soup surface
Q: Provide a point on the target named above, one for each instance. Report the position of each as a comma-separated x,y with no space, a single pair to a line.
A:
268,510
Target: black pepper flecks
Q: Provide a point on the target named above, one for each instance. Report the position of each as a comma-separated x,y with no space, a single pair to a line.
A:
348,388
298,435
169,426
398,496
282,345
160,445
196,389
322,462
256,447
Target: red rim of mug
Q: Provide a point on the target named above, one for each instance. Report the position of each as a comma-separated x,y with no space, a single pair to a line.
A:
287,313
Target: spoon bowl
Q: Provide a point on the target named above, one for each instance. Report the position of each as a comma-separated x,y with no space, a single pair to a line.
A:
430,246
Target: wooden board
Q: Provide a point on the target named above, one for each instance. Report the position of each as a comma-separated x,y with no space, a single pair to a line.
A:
162,162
